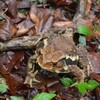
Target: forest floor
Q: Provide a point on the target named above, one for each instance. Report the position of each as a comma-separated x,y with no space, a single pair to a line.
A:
24,27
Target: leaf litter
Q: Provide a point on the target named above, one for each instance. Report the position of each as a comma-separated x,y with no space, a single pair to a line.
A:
19,18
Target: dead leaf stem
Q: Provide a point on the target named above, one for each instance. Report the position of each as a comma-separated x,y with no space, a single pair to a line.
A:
80,9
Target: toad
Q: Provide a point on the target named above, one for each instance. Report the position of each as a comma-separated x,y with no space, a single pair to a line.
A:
58,54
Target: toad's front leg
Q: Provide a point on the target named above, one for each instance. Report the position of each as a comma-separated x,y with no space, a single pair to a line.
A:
31,73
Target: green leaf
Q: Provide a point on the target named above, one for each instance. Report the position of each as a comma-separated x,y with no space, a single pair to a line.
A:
40,1
92,84
82,87
1,18
44,96
3,88
76,0
98,46
66,81
33,0
83,29
16,98
23,11
82,40
98,1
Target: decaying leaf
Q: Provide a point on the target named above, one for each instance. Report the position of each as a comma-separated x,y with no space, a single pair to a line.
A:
61,2
63,24
7,29
95,76
39,16
12,61
24,27
19,18
88,6
95,62
12,7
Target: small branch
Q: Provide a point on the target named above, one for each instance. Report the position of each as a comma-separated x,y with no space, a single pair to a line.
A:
80,9
24,42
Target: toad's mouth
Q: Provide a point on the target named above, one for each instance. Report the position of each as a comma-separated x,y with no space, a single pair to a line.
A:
60,65
71,60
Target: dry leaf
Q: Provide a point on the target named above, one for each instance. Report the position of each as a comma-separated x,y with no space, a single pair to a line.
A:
12,7
94,59
88,6
7,29
63,24
24,27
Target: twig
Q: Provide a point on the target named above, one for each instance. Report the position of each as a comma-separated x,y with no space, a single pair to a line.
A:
80,9
24,42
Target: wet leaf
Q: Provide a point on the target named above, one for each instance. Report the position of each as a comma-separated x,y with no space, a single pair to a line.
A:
88,6
44,96
94,60
92,84
98,46
98,1
82,40
3,88
76,0
66,81
95,76
7,29
16,98
48,14
83,29
23,5
40,1
33,0
24,27
82,87
12,61
41,17
12,8
14,82
34,16
63,24
1,18
61,2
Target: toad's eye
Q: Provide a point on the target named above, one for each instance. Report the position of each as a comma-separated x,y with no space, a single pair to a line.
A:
58,64
70,61
54,64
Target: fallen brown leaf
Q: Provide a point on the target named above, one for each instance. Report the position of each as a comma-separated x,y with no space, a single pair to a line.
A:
12,7
61,2
95,61
63,24
7,29
24,27
88,7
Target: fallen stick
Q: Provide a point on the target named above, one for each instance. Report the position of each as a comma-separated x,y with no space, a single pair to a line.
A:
25,42
80,10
